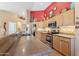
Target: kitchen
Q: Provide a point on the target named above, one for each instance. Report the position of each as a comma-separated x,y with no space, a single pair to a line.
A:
57,28
53,35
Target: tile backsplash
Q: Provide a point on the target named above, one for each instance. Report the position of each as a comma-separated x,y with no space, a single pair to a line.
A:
67,30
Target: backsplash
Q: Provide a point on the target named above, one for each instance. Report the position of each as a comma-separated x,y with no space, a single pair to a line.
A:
67,30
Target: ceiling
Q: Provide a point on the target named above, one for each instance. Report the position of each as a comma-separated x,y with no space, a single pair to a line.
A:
40,5
21,7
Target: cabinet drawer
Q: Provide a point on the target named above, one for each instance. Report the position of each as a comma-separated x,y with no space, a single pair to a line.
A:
64,39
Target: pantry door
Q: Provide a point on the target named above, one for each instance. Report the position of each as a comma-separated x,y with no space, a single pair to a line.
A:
12,27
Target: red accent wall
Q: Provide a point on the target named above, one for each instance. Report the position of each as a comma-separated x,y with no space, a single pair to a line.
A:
39,15
59,5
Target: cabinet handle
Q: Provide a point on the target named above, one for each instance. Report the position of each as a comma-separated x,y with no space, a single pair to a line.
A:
61,39
64,41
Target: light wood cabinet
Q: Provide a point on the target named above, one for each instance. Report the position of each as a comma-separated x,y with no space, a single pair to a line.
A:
45,23
41,36
59,20
68,18
56,43
63,45
64,19
38,35
51,19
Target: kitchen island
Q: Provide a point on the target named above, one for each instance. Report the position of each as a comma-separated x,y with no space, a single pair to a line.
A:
29,46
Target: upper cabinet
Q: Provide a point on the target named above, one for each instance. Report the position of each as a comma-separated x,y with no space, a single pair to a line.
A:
45,23
59,20
64,19
68,18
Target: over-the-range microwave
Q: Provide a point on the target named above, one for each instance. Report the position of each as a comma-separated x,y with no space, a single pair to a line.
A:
52,24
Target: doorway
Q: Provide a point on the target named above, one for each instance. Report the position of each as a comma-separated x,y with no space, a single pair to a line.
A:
12,27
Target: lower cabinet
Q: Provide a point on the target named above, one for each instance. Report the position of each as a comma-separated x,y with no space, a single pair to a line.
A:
38,35
63,45
56,43
41,36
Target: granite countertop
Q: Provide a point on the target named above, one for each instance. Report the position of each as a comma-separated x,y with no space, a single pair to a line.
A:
65,35
29,46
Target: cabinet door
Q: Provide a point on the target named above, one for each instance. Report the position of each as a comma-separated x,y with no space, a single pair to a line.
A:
38,35
65,46
43,37
68,18
59,20
45,23
56,42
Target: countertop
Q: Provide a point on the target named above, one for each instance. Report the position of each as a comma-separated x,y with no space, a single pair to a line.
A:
65,35
8,35
29,46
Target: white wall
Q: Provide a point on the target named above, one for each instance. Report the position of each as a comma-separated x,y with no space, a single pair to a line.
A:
77,30
6,16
